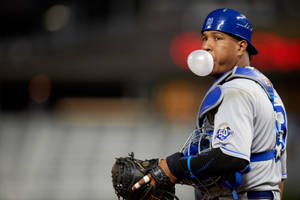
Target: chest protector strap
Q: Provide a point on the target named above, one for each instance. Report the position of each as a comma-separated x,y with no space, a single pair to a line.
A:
214,97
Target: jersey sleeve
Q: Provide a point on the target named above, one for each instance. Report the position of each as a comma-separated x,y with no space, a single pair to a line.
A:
233,130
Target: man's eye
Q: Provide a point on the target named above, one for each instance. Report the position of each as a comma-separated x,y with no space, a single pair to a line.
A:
217,38
204,39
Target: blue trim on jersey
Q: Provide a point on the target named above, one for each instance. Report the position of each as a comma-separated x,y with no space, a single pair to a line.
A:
223,147
264,156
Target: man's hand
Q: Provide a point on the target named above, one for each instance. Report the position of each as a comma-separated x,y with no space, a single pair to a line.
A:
155,178
128,170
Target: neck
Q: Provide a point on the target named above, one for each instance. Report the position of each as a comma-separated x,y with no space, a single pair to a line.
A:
244,60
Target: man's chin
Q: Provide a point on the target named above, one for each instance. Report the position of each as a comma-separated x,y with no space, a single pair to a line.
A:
215,74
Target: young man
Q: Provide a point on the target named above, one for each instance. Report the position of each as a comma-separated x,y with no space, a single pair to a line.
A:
240,140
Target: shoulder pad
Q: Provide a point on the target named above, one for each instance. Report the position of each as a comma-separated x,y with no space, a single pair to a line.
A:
253,74
211,100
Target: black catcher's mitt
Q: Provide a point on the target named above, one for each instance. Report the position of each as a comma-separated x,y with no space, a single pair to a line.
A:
127,171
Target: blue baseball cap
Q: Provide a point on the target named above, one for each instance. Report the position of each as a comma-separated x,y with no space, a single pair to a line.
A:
231,22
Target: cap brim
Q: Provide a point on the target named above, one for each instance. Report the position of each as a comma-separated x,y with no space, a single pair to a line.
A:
251,49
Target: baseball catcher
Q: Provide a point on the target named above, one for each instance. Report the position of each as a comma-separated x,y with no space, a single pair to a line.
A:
238,149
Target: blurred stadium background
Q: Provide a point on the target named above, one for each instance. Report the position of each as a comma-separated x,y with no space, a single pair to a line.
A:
83,82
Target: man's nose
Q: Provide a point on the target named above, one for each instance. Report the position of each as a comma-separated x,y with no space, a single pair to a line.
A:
206,45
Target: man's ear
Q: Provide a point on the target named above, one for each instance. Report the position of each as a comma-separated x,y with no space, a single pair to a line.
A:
242,46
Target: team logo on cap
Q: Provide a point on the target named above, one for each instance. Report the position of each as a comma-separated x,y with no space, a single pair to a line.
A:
224,132
209,22
246,26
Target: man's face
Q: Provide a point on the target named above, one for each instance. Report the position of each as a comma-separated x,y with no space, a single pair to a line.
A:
224,49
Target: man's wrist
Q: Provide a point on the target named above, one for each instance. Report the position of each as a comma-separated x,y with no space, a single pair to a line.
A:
163,164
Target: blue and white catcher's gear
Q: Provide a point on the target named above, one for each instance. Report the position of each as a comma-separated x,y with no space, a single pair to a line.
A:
200,140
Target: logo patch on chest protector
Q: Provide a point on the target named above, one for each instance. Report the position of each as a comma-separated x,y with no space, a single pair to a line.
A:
224,132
